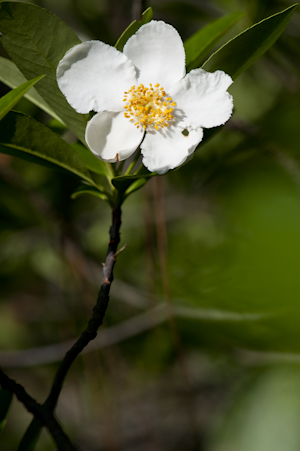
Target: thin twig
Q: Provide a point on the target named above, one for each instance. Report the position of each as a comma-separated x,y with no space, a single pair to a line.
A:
44,412
121,250
98,312
122,331
40,412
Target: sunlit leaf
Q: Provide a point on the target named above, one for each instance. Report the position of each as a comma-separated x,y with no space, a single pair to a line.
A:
5,402
12,77
243,50
133,27
31,436
36,40
198,46
10,99
24,137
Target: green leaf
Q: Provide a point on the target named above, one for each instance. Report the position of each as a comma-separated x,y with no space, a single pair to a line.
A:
133,27
36,40
5,401
136,185
8,101
85,189
90,160
56,126
203,41
12,77
123,182
24,137
243,50
31,436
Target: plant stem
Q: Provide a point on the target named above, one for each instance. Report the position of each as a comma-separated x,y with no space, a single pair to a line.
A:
44,413
40,412
98,312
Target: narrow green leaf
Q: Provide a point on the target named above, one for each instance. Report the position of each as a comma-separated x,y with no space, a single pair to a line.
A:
10,99
133,27
36,40
198,46
24,137
31,436
11,76
137,185
85,189
5,402
123,182
243,50
90,160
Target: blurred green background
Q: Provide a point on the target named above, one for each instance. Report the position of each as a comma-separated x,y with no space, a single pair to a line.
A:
218,240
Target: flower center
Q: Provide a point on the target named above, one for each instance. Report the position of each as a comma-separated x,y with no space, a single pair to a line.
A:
149,107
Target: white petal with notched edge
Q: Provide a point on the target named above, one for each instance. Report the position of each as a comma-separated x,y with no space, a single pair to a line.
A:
94,76
202,100
112,137
168,148
157,52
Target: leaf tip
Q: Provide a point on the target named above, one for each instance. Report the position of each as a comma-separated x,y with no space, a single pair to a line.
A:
147,12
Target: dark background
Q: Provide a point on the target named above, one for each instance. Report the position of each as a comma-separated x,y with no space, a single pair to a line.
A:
223,374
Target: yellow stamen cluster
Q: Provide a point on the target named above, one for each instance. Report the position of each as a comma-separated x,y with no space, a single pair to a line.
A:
148,107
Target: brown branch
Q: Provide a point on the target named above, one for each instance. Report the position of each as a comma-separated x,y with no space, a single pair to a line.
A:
40,412
98,312
44,413
122,331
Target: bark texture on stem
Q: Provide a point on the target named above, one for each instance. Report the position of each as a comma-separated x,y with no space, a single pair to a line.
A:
44,413
98,312
46,417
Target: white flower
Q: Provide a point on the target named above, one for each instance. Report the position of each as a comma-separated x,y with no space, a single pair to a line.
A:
143,91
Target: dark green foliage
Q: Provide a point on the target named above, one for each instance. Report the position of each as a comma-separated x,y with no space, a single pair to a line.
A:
44,39
24,137
5,402
198,46
242,51
232,219
133,27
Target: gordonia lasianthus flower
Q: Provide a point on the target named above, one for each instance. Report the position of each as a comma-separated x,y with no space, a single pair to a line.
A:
142,96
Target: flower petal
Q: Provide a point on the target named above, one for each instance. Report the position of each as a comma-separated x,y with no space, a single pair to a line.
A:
167,149
157,52
201,99
94,76
112,137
